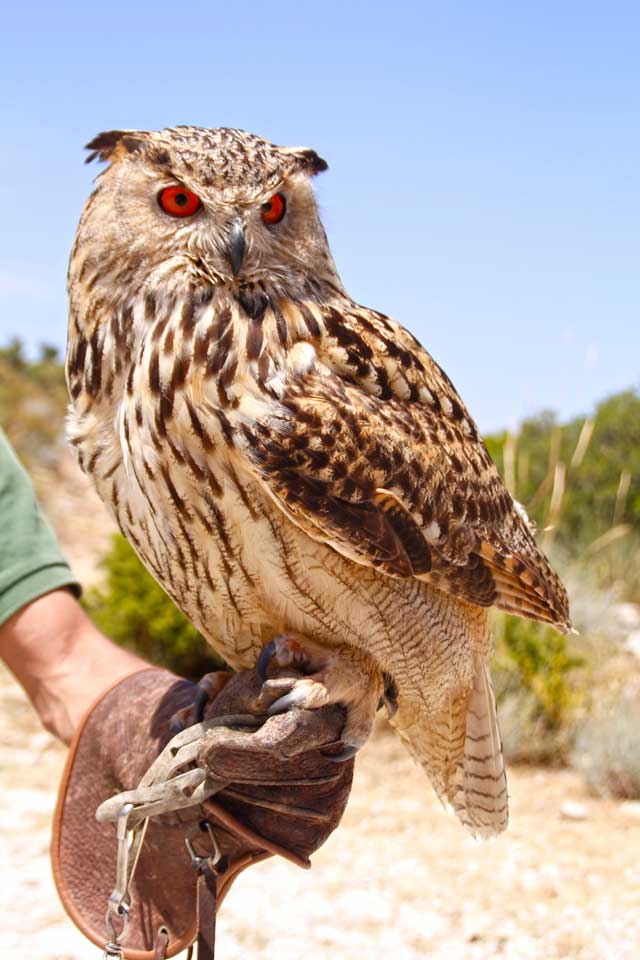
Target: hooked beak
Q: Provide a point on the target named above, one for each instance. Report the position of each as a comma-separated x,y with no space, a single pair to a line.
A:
236,246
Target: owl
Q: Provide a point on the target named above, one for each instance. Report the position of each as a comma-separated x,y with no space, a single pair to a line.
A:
296,471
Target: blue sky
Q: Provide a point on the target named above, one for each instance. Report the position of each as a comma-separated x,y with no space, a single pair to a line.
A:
484,183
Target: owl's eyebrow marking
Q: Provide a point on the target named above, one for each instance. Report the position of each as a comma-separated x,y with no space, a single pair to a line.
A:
160,156
170,178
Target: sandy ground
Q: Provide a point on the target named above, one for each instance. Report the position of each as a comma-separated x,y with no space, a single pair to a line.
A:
399,879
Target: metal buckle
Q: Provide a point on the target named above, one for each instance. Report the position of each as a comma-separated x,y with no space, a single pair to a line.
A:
210,862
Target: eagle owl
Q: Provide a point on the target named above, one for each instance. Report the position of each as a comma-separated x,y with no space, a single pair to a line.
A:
287,463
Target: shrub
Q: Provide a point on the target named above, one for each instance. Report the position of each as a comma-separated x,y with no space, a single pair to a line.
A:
607,750
33,400
132,609
536,689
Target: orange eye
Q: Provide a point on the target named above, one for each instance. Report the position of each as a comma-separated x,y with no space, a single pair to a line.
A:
179,202
274,210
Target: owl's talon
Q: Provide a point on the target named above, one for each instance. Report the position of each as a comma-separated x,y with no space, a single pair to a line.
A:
178,721
390,702
392,706
266,655
273,690
328,677
346,754
287,651
296,697
207,689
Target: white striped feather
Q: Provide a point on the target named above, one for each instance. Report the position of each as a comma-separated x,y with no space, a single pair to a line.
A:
479,795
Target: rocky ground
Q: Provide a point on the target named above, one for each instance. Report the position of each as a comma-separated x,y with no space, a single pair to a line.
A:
400,879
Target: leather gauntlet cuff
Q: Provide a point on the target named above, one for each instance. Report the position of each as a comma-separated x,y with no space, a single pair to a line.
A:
279,793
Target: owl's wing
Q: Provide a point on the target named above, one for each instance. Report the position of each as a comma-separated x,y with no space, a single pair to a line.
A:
364,443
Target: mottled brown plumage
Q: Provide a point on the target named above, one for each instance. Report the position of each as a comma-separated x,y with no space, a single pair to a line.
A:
287,461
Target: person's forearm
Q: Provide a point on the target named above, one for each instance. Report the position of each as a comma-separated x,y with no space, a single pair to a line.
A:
62,660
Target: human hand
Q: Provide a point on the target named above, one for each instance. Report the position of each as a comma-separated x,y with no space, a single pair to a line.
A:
61,659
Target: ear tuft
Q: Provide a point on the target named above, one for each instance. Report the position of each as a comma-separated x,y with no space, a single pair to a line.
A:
312,162
104,145
305,159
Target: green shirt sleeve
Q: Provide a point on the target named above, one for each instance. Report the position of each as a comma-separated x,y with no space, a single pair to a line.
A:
31,562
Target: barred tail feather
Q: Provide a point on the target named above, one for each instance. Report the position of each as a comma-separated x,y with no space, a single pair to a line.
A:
479,795
461,752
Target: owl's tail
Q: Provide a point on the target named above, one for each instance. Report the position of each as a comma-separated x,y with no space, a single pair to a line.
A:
461,752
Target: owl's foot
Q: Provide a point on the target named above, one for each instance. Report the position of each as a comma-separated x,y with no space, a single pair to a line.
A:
341,675
208,689
286,650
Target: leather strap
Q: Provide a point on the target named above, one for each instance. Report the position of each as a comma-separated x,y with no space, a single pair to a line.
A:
223,816
161,944
206,908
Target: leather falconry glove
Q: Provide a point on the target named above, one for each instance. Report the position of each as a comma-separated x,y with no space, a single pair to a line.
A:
240,787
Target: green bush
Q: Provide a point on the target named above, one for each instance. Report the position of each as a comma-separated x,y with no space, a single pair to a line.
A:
537,689
132,609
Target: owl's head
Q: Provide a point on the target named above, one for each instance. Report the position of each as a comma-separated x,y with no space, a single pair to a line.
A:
192,204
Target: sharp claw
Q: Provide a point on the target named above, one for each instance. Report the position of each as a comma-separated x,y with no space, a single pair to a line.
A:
295,698
207,690
266,654
346,754
390,695
392,706
199,704
176,725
